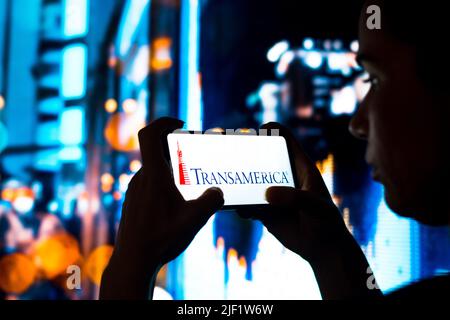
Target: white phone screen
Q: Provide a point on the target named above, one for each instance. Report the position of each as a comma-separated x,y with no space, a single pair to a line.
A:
242,166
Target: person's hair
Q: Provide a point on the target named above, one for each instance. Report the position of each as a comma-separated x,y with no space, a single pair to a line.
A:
423,25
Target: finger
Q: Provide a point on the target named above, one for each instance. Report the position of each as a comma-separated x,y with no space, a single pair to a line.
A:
308,176
151,145
285,201
297,199
206,205
286,196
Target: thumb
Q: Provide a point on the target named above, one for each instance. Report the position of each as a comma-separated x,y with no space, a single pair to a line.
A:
282,196
296,198
207,204
277,197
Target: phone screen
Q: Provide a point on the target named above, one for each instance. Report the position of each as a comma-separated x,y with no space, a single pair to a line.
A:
242,166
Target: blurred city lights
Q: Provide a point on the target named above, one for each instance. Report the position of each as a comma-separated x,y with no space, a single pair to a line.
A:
305,112
72,126
76,18
3,137
135,165
121,131
337,44
106,188
326,168
191,105
124,180
117,195
47,133
96,263
161,294
354,46
140,68
112,61
268,95
74,67
108,199
314,59
277,50
133,12
83,203
52,206
54,254
70,153
86,203
130,106
112,58
23,200
217,130
107,179
344,101
284,62
8,194
23,204
337,61
111,105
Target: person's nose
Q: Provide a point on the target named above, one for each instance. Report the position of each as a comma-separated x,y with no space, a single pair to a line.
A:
359,125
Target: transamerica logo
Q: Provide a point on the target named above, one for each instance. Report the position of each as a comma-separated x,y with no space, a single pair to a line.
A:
228,177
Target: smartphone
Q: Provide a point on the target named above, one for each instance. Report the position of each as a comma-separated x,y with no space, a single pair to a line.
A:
242,166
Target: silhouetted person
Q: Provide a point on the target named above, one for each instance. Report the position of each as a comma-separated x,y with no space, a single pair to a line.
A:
405,120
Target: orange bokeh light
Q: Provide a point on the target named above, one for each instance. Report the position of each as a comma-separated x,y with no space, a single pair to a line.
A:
220,242
117,195
161,58
135,165
110,105
8,194
326,165
106,188
107,179
54,254
112,62
121,132
232,255
17,273
24,192
242,262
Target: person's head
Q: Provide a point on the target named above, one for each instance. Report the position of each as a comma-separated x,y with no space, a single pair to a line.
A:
405,116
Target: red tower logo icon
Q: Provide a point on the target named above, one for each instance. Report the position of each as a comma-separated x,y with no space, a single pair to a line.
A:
184,176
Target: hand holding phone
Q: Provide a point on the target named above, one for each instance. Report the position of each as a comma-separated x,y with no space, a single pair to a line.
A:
157,224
